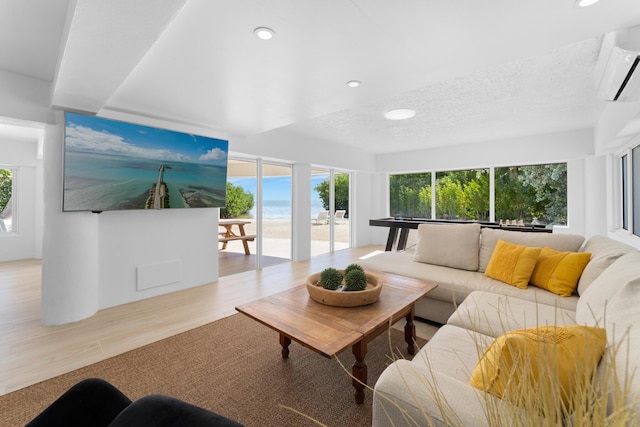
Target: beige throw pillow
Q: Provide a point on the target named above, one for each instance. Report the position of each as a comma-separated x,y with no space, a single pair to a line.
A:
449,245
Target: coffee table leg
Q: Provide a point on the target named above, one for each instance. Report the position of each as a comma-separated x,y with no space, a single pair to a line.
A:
284,342
359,370
410,332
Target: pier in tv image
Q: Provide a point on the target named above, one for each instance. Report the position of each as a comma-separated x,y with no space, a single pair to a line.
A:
114,165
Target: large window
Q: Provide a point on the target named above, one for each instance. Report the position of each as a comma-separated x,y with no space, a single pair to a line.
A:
463,195
528,194
7,225
533,194
410,195
629,190
635,185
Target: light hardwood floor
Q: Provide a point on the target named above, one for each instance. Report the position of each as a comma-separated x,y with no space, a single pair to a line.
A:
30,352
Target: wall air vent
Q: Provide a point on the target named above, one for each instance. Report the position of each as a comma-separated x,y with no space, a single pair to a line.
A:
621,77
618,67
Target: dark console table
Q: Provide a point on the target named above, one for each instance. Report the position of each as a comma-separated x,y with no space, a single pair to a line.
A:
406,224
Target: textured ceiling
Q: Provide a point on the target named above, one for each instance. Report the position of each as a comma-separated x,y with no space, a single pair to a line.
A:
473,71
553,92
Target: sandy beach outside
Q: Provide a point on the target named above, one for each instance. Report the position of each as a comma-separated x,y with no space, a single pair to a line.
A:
277,238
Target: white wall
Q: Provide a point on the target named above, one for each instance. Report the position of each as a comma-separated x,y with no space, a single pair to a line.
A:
70,263
285,145
183,242
25,98
362,208
301,210
24,243
535,149
595,206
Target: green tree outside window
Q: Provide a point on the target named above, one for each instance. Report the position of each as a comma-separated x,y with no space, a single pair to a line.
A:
535,193
341,189
238,203
6,186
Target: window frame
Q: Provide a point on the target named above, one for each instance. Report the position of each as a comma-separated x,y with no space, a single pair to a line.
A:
14,198
622,189
492,186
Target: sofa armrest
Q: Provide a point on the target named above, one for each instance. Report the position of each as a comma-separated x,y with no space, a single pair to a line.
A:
163,411
407,391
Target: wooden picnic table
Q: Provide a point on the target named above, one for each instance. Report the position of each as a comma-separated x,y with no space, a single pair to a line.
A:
228,234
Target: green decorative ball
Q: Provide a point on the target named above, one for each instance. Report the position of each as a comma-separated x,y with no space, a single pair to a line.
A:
352,267
356,280
330,278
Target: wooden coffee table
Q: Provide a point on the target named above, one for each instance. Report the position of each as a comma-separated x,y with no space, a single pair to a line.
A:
329,330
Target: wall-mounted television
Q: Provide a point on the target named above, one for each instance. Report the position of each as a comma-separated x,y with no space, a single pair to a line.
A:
115,165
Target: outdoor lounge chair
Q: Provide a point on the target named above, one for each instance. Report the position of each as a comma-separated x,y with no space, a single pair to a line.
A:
339,216
322,218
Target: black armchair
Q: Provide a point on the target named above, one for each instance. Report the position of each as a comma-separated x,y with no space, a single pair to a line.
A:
95,402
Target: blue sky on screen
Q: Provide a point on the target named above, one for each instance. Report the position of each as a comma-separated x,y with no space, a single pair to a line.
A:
99,135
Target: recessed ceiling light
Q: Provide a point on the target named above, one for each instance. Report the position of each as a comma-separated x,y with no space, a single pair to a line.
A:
399,114
264,33
585,3
353,83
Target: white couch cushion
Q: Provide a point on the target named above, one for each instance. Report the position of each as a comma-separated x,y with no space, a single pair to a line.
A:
622,322
604,251
612,301
449,245
593,303
490,236
494,314
433,388
454,285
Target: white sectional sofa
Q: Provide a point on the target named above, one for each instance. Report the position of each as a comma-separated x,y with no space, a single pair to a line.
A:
456,257
434,389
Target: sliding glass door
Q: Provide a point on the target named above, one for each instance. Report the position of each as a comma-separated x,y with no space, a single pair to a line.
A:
239,217
320,212
330,226
276,214
342,229
255,225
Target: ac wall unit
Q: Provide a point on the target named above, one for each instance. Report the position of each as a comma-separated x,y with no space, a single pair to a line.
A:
620,78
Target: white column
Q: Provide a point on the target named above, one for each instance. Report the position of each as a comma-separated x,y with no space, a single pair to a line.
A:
301,212
70,267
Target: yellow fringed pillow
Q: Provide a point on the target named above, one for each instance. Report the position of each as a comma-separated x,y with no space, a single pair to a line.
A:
540,365
512,264
559,272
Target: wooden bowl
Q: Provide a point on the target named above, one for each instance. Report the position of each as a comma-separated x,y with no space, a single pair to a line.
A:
344,298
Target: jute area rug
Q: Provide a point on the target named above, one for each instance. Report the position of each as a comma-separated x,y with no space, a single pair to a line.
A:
233,367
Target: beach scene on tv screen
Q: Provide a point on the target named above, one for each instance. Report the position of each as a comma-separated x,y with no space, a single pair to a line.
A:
113,165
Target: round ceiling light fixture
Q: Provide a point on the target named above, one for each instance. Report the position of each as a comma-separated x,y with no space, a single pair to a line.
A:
264,33
354,83
585,3
399,114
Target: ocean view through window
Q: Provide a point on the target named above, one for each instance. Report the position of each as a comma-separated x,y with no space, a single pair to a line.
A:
277,196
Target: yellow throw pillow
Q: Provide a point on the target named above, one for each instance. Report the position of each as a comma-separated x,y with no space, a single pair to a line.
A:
512,264
537,367
559,272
